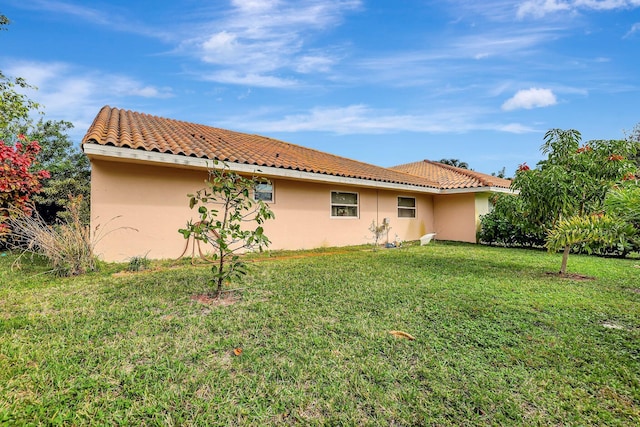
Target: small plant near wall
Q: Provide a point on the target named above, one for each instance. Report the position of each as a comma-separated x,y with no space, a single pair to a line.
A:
230,221
379,231
138,263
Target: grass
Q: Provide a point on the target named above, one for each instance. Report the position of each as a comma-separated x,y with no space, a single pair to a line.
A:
498,342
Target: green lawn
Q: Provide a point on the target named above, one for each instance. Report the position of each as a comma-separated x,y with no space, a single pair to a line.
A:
498,341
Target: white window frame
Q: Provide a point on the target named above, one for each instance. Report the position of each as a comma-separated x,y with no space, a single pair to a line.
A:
273,192
413,208
338,205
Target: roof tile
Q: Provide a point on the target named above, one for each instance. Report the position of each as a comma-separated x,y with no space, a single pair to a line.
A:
127,129
451,177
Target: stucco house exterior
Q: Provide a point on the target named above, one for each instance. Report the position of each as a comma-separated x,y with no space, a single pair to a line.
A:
143,166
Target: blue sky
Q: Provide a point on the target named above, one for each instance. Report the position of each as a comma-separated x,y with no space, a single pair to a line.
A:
385,82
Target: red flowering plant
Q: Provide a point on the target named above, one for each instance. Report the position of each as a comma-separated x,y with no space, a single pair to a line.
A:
18,179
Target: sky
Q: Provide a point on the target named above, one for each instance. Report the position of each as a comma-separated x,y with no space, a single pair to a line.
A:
384,82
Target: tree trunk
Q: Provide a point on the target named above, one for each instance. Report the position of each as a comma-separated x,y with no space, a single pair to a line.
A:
565,257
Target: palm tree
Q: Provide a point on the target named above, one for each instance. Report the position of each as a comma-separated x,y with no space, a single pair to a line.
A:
454,162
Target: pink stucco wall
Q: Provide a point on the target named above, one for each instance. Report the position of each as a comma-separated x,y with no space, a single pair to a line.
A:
152,200
303,217
455,217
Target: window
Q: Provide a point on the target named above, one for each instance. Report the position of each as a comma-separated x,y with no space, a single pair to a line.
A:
263,191
344,204
406,207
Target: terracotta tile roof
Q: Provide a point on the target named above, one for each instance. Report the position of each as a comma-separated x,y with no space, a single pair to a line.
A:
450,177
127,129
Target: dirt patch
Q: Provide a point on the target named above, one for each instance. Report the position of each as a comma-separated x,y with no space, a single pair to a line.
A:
612,325
572,276
223,300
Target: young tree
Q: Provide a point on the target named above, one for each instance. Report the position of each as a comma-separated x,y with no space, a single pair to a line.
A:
225,209
595,228
572,181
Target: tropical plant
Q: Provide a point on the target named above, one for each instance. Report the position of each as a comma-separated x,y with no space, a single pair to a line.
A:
454,162
572,181
225,208
597,228
502,173
624,202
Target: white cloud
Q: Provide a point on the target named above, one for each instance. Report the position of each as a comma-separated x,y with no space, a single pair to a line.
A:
540,8
249,79
258,39
255,5
515,128
635,28
606,4
530,98
75,95
314,63
364,120
436,67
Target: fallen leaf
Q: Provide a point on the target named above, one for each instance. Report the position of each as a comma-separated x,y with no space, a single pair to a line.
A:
401,334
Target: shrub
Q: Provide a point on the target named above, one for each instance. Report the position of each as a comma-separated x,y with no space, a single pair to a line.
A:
18,182
67,246
507,224
138,263
378,231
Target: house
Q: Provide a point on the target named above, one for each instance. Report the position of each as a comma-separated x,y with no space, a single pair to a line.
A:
143,166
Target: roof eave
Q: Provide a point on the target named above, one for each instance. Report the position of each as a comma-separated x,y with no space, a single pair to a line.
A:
483,189
108,152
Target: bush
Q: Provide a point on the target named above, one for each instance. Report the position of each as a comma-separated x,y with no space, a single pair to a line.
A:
138,263
507,225
67,246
